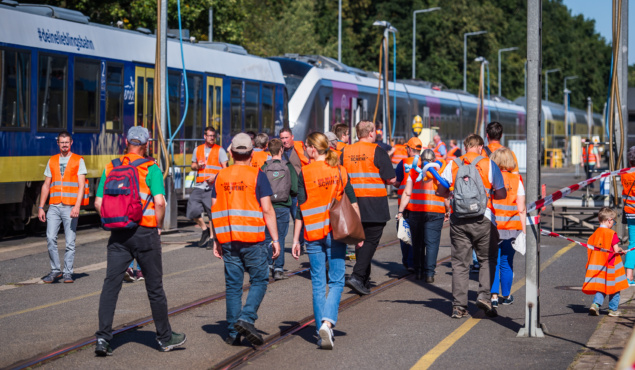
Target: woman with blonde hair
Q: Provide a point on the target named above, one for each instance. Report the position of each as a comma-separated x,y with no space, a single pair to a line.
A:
510,221
319,183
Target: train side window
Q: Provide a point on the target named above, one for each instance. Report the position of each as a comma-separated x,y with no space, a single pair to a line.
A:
86,95
267,110
51,97
194,117
114,97
251,106
174,88
236,107
15,73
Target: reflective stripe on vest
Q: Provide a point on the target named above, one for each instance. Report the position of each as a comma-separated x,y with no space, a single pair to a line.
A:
604,271
359,161
399,154
423,198
452,154
588,156
437,153
322,184
506,210
212,164
402,186
628,180
64,190
237,215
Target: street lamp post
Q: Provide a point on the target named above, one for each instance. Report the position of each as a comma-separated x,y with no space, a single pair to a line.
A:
387,29
465,36
568,78
499,66
485,63
567,93
414,30
547,81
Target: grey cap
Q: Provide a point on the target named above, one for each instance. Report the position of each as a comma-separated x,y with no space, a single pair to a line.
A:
241,143
330,136
138,135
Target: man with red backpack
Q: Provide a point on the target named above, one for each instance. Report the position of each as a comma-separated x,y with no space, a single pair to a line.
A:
131,201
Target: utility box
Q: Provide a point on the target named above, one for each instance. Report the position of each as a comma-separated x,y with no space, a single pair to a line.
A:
576,149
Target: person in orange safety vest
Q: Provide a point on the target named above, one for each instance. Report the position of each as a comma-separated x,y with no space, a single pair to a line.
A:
261,155
494,132
400,153
590,159
604,269
628,195
241,209
208,159
440,149
343,135
454,151
65,182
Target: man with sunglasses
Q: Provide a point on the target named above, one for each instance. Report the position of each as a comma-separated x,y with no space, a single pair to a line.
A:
207,160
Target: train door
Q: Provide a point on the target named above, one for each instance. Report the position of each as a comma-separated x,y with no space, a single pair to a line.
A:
215,105
144,101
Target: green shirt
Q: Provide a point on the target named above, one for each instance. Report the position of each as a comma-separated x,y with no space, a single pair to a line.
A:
154,180
294,185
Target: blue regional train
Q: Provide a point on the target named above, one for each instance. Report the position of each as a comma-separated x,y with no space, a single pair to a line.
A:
58,71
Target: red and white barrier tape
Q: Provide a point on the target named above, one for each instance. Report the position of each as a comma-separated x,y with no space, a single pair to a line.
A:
569,189
556,235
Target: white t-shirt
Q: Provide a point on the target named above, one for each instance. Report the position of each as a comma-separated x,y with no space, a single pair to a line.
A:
63,163
222,158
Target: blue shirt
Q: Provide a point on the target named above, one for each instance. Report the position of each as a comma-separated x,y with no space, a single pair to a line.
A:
399,173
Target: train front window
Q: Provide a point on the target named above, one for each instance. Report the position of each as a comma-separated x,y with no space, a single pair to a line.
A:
86,96
15,79
267,110
251,107
114,98
52,88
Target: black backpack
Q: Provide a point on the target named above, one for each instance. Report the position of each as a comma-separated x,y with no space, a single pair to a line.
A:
279,177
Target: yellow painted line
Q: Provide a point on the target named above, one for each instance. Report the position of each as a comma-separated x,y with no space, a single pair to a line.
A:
428,359
57,303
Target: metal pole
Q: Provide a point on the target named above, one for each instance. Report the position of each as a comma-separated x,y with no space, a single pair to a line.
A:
163,52
547,81
385,75
211,24
499,67
532,259
339,31
414,31
465,35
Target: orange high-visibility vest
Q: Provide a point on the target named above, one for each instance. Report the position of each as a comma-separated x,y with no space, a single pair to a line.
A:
604,270
64,190
399,154
588,156
212,165
359,161
301,151
341,145
437,154
237,215
149,218
452,154
483,169
259,158
494,146
408,161
628,192
423,198
322,184
506,210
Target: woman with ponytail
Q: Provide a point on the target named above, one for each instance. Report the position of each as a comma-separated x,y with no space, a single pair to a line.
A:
319,183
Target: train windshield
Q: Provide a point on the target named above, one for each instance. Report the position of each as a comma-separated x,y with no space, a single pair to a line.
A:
294,72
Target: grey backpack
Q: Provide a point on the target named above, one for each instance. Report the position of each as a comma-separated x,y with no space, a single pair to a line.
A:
280,179
470,199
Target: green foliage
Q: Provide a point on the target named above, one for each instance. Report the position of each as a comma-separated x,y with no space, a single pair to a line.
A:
631,76
276,27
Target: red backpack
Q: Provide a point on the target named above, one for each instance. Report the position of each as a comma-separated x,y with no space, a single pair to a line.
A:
121,206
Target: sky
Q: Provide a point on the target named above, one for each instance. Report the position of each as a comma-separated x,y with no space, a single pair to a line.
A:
600,11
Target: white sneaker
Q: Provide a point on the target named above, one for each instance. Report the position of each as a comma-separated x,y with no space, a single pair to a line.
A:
326,337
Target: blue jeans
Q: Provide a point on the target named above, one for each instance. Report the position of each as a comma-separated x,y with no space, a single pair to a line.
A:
325,307
282,220
294,210
55,216
504,275
406,249
614,300
426,236
241,257
629,259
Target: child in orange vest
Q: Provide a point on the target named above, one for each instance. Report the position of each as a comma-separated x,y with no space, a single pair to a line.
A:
604,270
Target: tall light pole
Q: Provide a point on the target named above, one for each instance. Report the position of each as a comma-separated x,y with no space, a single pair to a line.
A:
567,93
568,78
547,81
414,30
499,66
465,36
339,31
387,29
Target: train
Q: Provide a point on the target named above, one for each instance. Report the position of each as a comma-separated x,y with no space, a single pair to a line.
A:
61,72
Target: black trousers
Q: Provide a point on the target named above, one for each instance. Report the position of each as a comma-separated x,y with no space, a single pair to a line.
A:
144,245
364,255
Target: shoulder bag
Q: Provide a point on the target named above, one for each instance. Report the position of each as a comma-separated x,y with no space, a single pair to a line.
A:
346,224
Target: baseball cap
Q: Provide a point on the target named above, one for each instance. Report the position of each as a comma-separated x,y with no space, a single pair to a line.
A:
331,136
138,135
241,143
414,143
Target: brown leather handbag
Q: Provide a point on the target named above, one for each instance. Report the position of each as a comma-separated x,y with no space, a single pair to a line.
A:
346,224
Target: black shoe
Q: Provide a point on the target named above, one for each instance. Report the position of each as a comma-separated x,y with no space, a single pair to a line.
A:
419,274
177,339
486,306
357,286
103,348
279,275
248,330
234,341
430,279
204,238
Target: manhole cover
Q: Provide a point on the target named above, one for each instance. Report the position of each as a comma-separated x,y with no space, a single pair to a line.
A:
569,287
